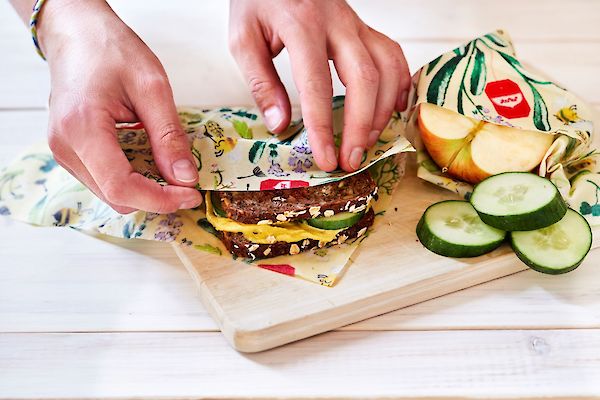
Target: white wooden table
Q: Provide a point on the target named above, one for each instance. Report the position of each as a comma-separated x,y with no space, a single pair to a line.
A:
85,317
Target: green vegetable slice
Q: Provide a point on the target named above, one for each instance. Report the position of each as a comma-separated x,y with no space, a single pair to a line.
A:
341,220
555,249
518,201
453,229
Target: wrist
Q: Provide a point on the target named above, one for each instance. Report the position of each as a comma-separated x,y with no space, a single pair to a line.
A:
60,21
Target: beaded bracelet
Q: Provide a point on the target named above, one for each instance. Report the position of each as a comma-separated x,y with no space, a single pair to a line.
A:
37,7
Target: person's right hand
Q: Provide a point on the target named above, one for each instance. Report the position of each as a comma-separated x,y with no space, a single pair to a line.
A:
102,73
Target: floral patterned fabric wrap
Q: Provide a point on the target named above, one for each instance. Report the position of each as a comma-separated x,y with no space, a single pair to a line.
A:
484,80
234,151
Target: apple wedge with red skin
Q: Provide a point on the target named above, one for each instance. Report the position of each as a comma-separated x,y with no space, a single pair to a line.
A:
472,150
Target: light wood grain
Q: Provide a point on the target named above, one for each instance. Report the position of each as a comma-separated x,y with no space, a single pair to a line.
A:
346,365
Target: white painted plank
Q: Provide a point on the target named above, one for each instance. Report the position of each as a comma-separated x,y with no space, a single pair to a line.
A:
62,280
532,20
190,39
24,80
455,364
18,130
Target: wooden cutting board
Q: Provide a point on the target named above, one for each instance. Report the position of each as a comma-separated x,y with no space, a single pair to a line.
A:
258,309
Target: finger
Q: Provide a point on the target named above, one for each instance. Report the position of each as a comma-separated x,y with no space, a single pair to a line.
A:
153,103
358,73
68,160
255,61
402,102
310,68
394,79
117,180
79,172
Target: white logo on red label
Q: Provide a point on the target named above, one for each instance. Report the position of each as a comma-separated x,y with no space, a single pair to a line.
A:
283,185
509,101
273,184
507,98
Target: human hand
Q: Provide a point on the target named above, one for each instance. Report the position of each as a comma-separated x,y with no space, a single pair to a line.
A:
102,73
369,64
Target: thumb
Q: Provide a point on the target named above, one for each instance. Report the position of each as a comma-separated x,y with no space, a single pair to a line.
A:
256,64
170,145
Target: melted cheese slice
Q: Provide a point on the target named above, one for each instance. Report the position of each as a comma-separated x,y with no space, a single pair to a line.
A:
268,234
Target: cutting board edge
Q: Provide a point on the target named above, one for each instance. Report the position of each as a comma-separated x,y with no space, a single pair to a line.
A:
253,340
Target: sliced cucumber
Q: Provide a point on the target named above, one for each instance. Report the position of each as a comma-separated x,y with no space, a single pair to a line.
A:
518,201
342,220
556,249
453,229
216,203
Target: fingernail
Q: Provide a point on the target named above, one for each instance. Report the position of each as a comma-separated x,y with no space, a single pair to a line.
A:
356,157
331,156
186,205
373,136
273,117
185,171
404,100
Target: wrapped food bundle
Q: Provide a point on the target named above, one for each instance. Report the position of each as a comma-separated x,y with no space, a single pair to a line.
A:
478,111
266,201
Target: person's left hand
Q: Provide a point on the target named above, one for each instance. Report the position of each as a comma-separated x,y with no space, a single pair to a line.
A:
369,64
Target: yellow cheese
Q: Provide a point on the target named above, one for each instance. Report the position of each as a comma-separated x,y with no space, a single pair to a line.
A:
268,234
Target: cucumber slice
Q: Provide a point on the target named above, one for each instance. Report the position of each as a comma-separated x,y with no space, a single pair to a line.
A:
556,249
453,229
518,201
216,203
342,220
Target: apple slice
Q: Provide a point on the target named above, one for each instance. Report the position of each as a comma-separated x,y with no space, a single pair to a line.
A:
472,150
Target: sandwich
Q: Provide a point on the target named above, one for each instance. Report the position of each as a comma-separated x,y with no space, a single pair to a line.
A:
271,223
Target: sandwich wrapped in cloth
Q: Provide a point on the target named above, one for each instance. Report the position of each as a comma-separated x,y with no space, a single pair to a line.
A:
478,111
266,202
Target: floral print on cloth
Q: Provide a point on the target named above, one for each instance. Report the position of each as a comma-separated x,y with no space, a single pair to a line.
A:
234,151
484,80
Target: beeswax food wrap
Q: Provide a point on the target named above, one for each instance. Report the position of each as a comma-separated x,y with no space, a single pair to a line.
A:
484,80
233,151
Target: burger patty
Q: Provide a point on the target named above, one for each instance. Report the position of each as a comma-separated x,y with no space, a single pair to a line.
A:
286,205
239,246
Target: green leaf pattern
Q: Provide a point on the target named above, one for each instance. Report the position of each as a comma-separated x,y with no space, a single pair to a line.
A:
479,73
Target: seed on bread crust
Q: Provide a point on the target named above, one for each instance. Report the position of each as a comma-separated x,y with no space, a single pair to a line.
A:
294,249
341,239
231,240
314,211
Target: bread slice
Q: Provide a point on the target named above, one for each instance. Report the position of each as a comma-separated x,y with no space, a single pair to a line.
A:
286,205
239,246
